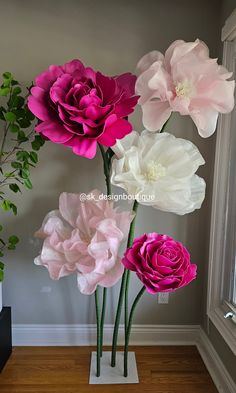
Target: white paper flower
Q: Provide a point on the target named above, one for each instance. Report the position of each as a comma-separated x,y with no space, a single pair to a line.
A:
159,171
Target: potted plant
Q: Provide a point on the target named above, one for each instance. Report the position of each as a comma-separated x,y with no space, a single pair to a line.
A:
18,154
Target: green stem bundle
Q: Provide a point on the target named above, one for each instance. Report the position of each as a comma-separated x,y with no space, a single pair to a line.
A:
128,331
123,293
98,332
101,318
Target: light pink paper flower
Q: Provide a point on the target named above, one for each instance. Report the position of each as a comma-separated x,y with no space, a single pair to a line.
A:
187,81
84,238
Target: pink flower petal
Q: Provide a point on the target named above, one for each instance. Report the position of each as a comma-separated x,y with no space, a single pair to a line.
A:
54,131
69,207
47,78
83,146
205,121
155,114
114,129
147,60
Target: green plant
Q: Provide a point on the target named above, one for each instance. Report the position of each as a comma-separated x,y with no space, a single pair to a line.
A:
18,150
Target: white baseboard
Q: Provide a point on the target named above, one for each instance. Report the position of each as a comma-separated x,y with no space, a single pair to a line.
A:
85,335
65,335
214,364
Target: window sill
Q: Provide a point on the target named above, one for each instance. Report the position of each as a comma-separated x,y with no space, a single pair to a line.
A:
226,327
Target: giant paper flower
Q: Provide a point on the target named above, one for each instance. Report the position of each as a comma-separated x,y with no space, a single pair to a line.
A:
160,262
187,81
158,170
78,107
84,238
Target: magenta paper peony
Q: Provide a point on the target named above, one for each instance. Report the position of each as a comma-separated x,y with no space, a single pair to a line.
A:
84,238
185,80
79,107
160,262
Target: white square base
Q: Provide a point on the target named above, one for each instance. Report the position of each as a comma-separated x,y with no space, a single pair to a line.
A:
113,375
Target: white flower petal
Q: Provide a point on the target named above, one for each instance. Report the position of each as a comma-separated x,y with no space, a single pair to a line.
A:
160,172
124,144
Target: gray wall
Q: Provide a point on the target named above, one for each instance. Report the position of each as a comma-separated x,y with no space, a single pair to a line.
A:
227,8
111,36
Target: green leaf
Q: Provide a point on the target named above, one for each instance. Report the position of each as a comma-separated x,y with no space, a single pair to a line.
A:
20,113
1,254
13,102
16,90
6,205
25,173
28,184
10,116
7,75
16,165
24,123
22,155
1,264
13,239
33,157
30,115
35,145
1,275
4,91
14,82
21,102
11,247
21,137
1,228
14,128
8,174
14,209
14,187
2,111
7,78
39,139
26,165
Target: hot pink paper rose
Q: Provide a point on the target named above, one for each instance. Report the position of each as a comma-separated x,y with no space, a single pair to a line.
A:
185,80
160,262
84,238
78,107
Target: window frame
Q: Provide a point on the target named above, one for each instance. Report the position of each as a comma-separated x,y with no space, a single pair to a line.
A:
216,308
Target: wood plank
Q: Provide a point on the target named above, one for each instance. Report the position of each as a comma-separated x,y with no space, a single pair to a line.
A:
162,369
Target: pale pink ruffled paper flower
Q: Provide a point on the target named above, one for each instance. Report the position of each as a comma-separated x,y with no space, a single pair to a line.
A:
187,81
84,238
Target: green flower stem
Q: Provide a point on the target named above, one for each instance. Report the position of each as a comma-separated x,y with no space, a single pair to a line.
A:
123,292
104,303
98,332
129,244
107,170
106,167
117,320
128,331
3,142
126,315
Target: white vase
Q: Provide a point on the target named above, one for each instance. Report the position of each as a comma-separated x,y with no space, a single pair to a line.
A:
0,296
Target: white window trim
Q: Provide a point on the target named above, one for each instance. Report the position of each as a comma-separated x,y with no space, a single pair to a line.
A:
215,309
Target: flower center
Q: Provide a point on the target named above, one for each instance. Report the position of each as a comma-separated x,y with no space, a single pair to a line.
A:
154,171
184,89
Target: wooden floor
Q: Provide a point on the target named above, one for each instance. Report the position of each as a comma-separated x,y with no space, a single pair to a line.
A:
65,370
